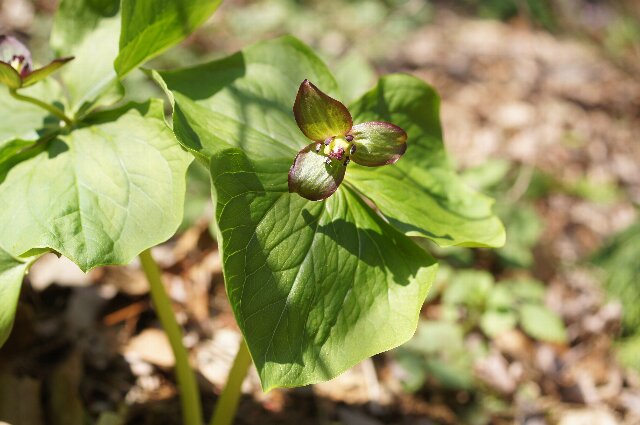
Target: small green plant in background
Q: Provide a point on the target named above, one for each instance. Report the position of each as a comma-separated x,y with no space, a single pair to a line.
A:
619,261
316,287
472,300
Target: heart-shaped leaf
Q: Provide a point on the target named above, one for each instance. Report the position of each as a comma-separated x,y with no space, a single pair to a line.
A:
150,27
315,287
12,271
421,194
88,30
100,194
24,123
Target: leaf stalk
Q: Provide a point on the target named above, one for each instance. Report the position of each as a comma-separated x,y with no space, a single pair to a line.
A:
189,395
227,405
50,108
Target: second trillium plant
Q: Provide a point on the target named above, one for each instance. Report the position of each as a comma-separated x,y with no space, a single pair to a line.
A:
319,167
16,68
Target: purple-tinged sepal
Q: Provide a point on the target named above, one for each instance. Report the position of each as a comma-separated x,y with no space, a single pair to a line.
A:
319,116
319,168
377,143
315,176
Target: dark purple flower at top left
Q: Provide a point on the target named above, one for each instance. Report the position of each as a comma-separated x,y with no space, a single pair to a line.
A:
16,68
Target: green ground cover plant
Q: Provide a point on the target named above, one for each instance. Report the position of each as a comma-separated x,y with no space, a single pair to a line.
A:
320,263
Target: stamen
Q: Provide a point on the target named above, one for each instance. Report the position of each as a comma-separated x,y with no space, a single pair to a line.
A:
346,162
349,138
318,146
352,150
327,161
337,154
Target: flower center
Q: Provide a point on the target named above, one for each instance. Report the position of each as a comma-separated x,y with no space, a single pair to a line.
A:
19,63
338,148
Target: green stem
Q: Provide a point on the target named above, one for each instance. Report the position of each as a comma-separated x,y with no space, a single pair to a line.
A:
50,108
189,395
228,402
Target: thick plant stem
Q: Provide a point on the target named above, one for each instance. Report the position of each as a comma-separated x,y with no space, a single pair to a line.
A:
189,395
228,402
50,108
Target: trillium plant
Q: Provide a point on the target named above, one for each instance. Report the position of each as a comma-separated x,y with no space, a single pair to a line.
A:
317,212
16,68
319,168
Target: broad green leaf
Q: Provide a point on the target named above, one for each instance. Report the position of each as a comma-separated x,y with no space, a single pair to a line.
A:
268,235
246,99
88,30
150,27
76,19
433,201
100,194
355,76
316,287
12,271
541,323
24,123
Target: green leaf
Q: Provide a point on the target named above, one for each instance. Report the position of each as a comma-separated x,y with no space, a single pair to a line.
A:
525,228
470,288
245,100
100,194
318,115
627,351
12,271
621,272
493,323
355,76
378,143
88,30
150,27
312,178
445,356
316,287
541,323
269,236
24,123
433,201
501,298
526,289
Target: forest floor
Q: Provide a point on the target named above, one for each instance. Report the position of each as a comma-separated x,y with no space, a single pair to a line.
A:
548,125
